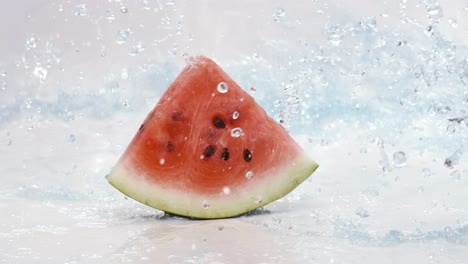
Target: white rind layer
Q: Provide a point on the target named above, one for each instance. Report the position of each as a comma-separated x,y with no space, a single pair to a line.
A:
262,191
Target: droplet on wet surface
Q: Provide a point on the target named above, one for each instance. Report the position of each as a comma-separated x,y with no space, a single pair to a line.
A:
226,190
123,9
80,10
71,138
280,13
162,161
399,159
122,36
249,175
205,204
40,73
236,132
222,87
31,43
235,115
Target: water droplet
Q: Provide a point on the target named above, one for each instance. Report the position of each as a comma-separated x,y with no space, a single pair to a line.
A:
451,129
235,115
222,87
122,36
31,43
253,90
80,10
3,74
226,190
361,212
335,35
236,132
123,9
279,14
40,73
3,84
110,16
453,22
71,138
134,50
202,156
399,159
162,161
249,175
205,204
258,199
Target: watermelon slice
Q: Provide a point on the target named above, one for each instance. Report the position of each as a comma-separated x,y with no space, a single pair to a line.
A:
208,150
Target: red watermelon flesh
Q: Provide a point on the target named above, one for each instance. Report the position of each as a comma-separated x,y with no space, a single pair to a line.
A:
208,150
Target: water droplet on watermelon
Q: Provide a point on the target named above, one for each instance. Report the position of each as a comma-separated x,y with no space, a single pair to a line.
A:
258,199
202,156
222,87
71,138
205,204
162,161
226,190
236,132
213,94
249,175
399,159
235,115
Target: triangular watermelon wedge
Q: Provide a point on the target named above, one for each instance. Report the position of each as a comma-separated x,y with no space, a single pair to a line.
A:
208,150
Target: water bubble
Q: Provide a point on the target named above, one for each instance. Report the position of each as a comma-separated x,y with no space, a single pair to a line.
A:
202,156
123,9
361,212
134,50
122,36
31,43
162,161
226,190
222,87
205,204
249,175
258,199
3,74
236,132
280,12
80,10
40,73
235,115
71,138
399,159
253,90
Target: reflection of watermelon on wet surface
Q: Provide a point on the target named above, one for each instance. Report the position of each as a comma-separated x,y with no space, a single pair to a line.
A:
208,150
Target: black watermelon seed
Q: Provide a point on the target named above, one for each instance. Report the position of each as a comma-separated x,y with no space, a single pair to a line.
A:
247,155
170,146
225,154
219,123
209,151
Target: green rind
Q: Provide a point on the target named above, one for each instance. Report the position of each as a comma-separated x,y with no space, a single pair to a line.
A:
277,184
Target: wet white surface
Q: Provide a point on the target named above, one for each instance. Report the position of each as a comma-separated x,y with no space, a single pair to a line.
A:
376,93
